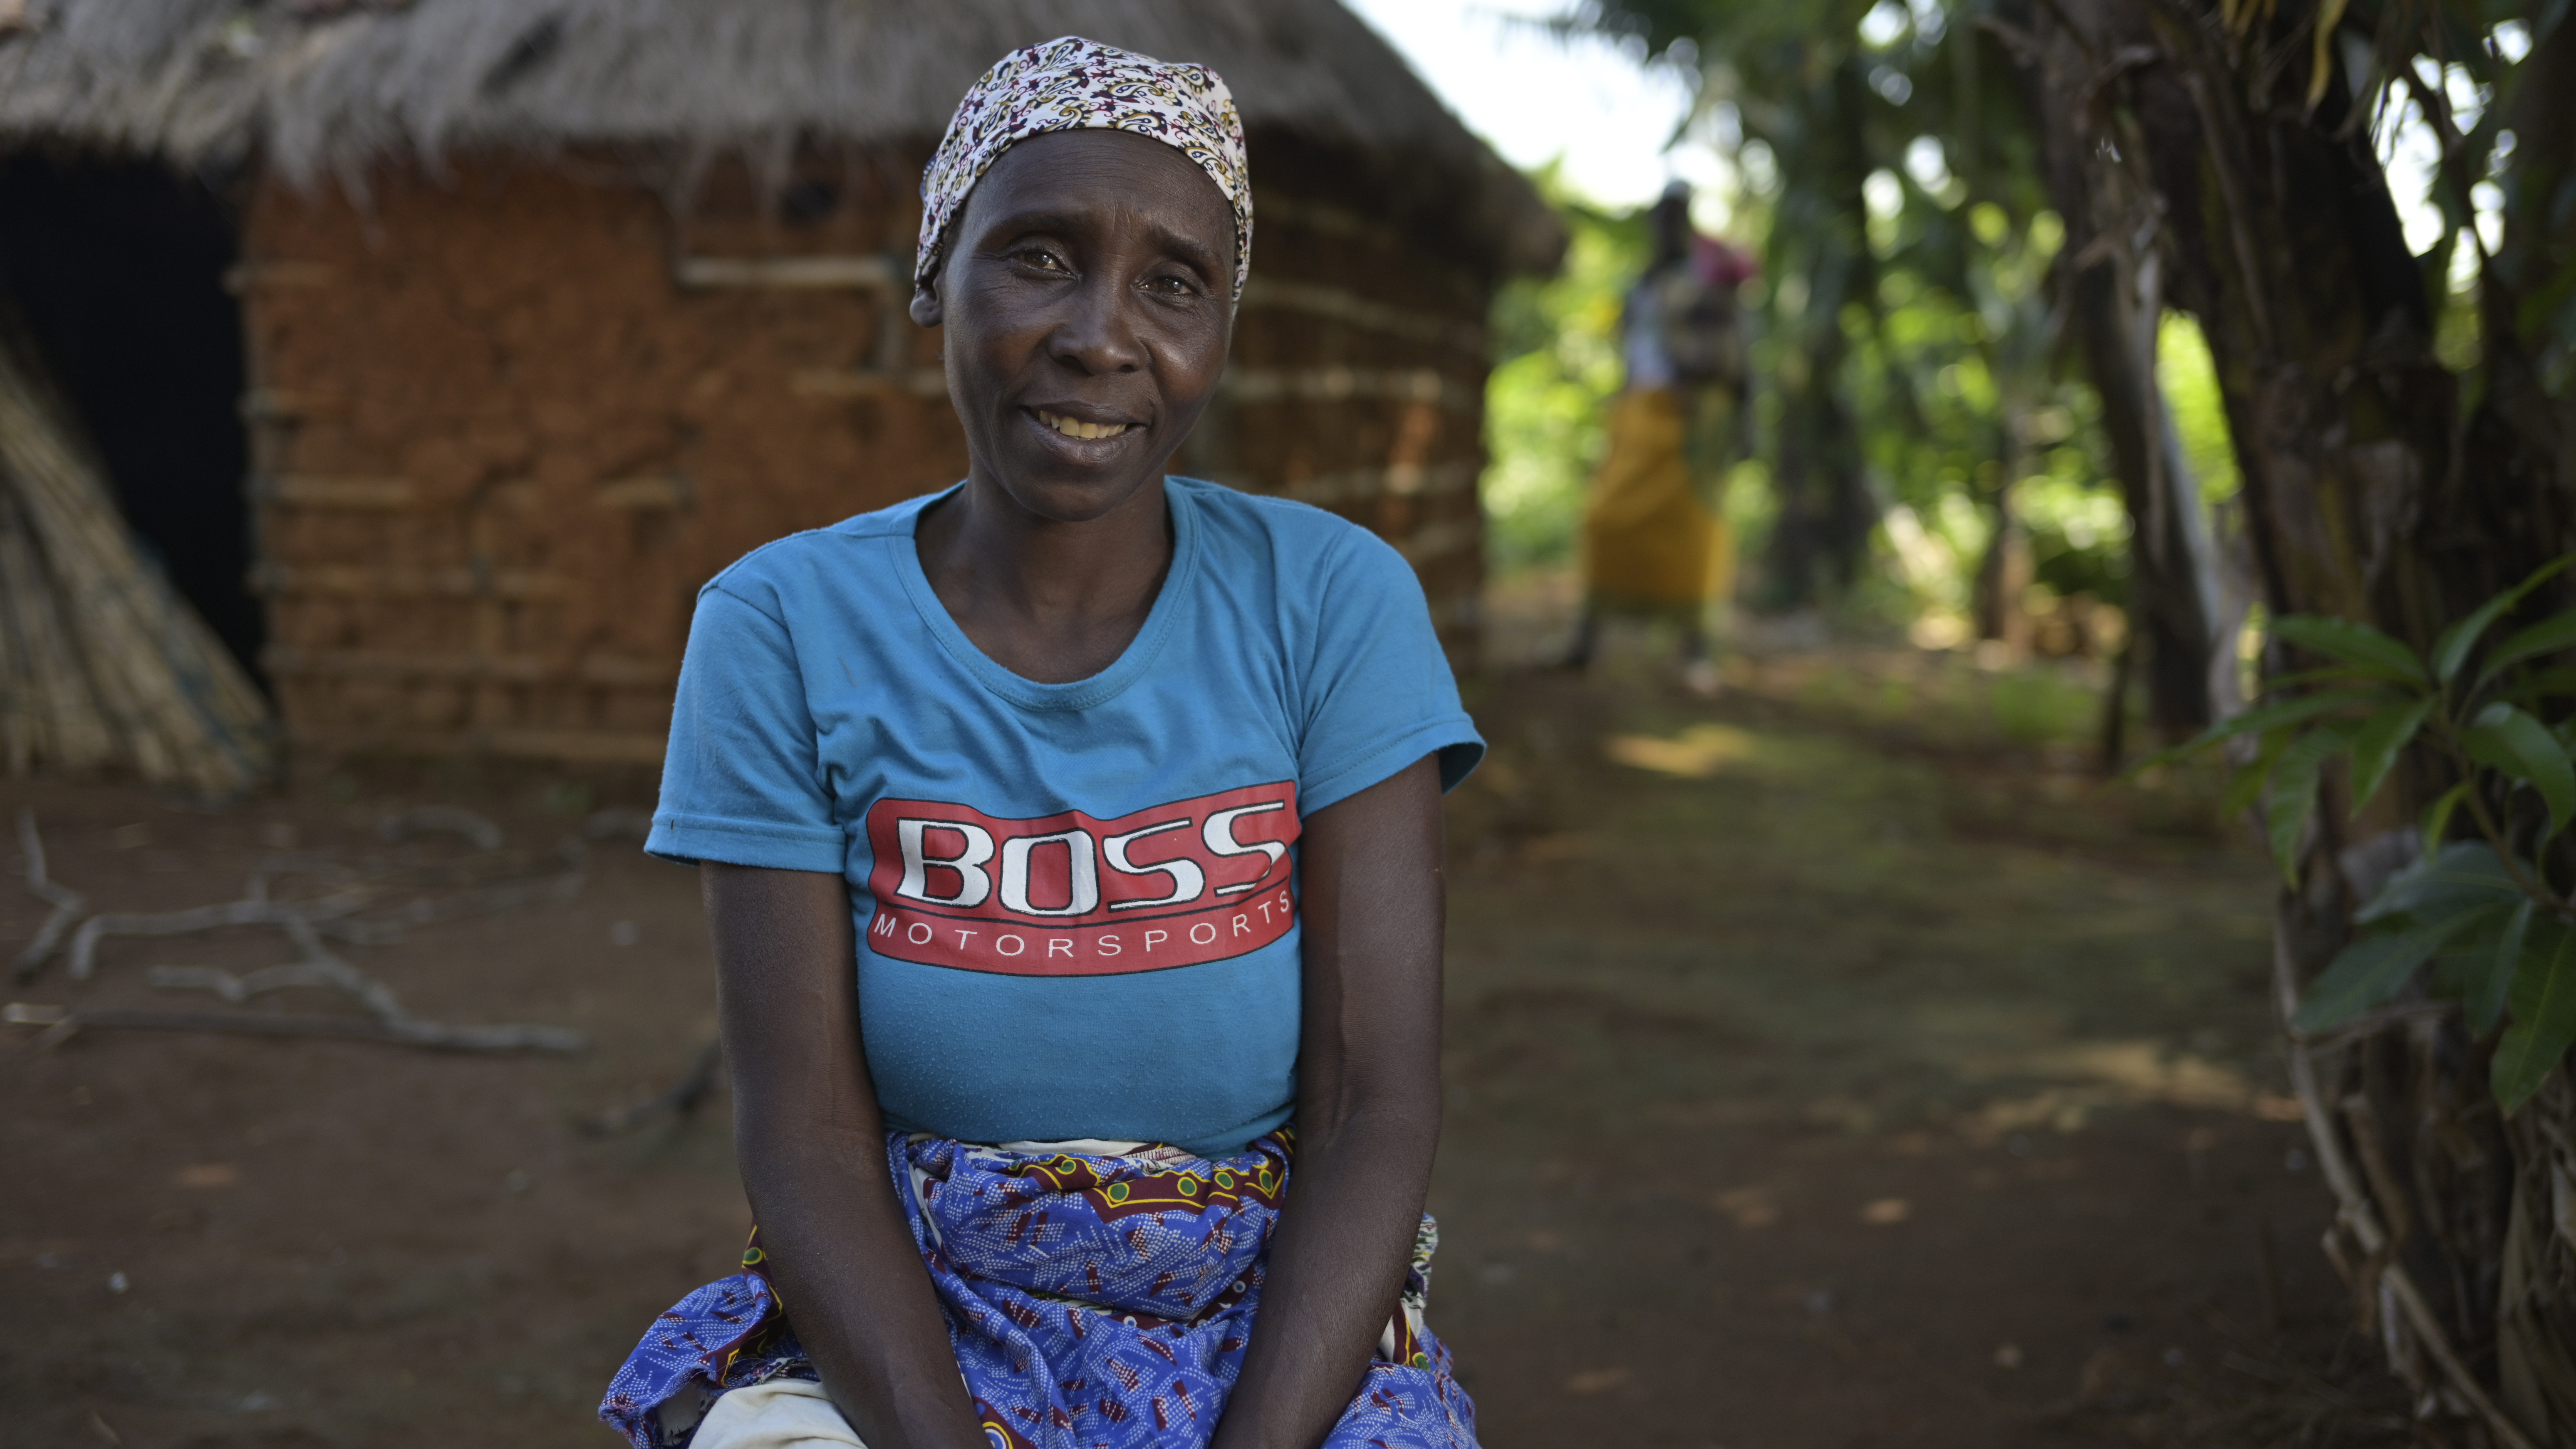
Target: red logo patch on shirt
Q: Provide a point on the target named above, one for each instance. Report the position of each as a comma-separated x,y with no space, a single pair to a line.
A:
1068,895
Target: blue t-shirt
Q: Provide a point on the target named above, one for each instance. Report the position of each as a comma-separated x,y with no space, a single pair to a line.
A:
1076,903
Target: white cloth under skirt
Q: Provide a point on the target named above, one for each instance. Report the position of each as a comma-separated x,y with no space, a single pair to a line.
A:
779,1414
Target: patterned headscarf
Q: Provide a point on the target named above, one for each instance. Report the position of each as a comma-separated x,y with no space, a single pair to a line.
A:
1071,84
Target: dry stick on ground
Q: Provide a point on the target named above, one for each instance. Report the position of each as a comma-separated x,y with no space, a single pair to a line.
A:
255,910
414,1031
336,911
67,903
62,1022
237,989
320,967
388,1020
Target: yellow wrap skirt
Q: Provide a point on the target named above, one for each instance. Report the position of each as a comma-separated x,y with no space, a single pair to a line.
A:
1651,541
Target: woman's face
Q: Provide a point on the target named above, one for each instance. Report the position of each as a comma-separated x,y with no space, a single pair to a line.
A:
1086,297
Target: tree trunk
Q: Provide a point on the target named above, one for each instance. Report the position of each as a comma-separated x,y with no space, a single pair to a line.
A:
2369,495
2177,613
2181,631
1820,540
2005,574
1821,534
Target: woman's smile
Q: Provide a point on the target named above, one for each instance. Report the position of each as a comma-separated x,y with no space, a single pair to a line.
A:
1073,427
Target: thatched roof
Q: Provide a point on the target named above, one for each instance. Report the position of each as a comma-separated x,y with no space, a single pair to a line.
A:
316,88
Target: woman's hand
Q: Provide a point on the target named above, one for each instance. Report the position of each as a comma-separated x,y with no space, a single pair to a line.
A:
812,1148
1368,1110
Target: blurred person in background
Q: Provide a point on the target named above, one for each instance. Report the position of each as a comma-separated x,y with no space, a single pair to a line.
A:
1655,539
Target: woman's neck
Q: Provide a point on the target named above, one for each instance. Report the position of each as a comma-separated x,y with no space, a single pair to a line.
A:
1048,600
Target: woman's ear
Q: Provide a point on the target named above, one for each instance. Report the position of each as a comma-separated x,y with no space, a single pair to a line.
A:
925,306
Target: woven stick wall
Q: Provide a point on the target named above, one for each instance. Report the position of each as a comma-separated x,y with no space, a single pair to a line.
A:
102,664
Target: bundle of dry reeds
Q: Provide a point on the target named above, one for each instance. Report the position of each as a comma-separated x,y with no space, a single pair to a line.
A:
102,664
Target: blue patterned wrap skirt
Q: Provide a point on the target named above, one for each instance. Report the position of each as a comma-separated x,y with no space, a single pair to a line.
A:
1094,1302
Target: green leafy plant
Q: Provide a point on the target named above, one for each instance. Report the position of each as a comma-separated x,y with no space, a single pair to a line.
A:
2481,911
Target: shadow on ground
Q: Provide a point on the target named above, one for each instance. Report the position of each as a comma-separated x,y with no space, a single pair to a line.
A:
1830,1064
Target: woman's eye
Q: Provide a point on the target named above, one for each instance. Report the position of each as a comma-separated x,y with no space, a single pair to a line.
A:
1040,258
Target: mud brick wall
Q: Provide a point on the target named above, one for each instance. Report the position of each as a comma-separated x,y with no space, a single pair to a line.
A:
1357,380
507,420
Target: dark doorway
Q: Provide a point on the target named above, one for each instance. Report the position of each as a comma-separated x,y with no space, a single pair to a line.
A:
118,269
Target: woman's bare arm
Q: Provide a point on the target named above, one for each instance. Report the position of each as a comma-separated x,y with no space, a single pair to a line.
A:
812,1148
1368,1110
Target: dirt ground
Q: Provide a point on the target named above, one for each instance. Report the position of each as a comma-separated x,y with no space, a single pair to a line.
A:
1834,1063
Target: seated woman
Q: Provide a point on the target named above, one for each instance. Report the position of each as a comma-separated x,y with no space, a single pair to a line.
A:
1071,844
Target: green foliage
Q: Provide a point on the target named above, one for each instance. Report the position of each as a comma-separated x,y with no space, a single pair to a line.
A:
1956,401
2484,912
2543,996
2079,529
2512,743
2373,968
2484,994
2033,706
2199,410
1905,336
1892,149
2363,651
